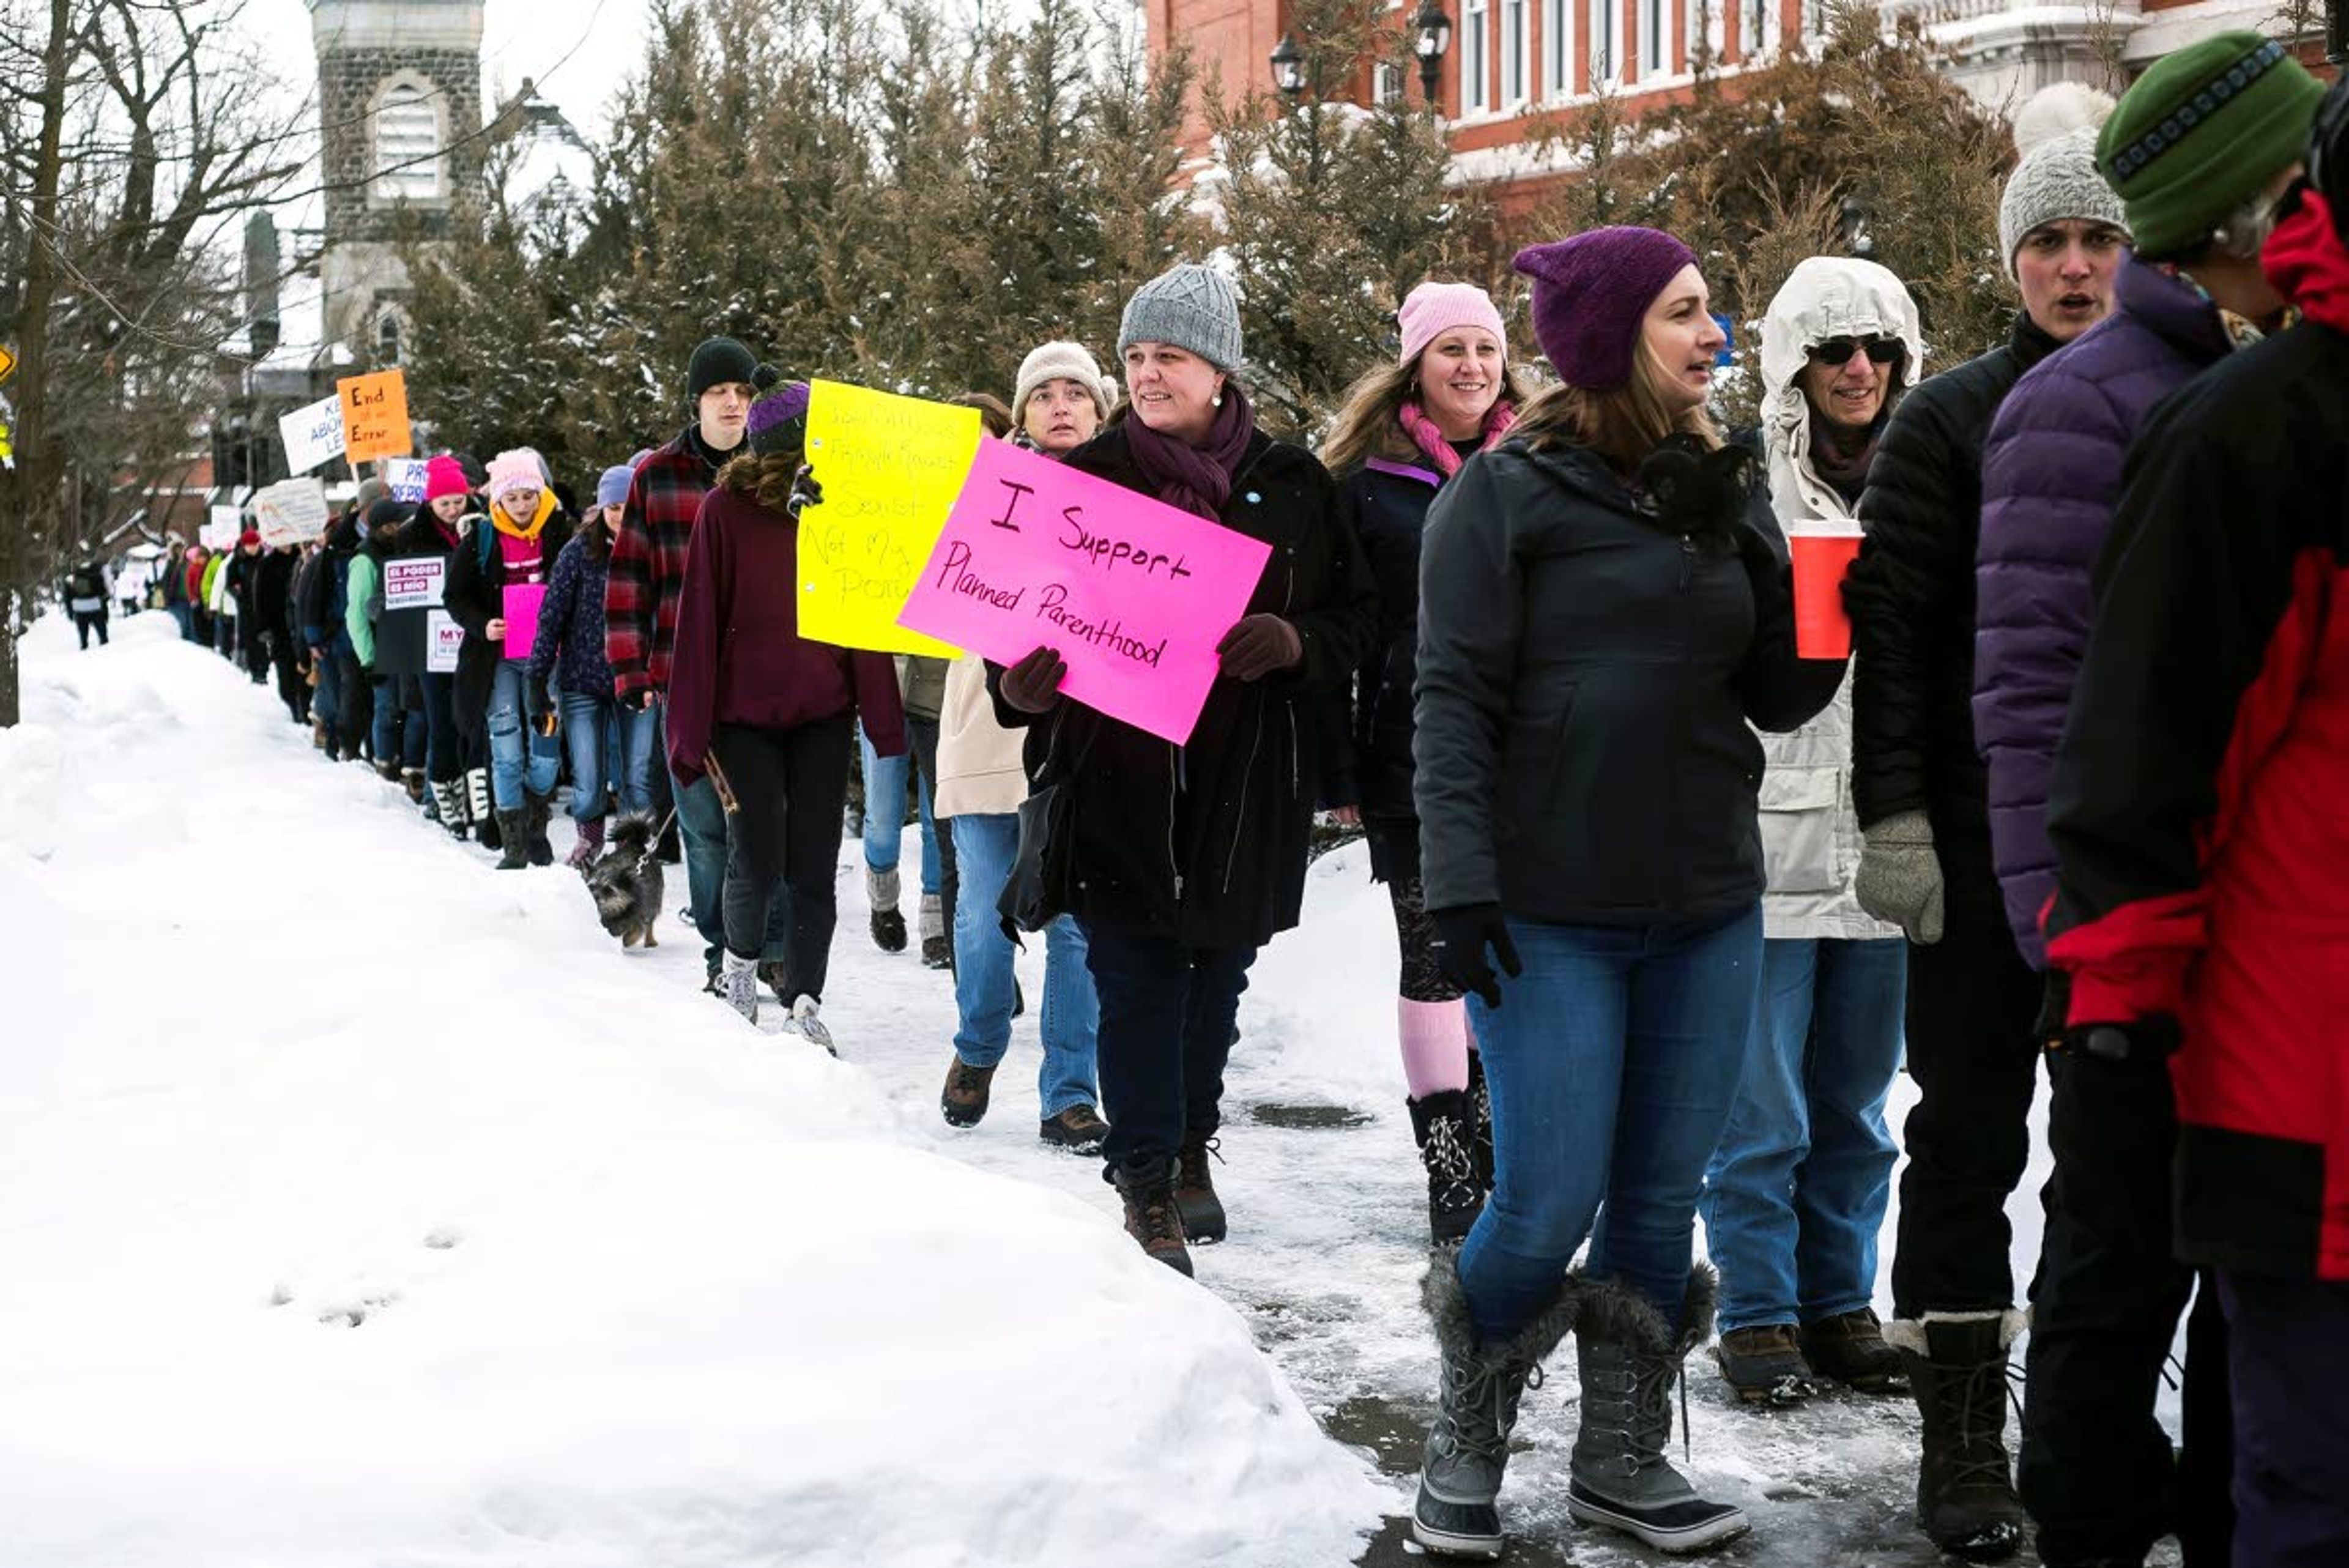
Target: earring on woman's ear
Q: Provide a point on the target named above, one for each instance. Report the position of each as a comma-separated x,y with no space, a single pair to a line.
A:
1216,401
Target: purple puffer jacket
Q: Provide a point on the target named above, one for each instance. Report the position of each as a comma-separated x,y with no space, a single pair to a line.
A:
2051,477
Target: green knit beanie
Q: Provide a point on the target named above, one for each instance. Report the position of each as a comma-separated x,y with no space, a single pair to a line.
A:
2202,133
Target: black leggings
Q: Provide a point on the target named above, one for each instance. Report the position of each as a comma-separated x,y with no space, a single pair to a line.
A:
789,788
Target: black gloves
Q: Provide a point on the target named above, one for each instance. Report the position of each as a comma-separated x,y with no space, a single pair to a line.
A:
541,699
806,492
1460,938
637,701
1257,645
1033,684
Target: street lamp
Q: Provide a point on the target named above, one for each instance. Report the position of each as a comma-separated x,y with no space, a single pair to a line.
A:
1435,41
1288,67
1852,219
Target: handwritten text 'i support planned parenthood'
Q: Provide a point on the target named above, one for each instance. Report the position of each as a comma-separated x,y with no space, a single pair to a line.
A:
1101,552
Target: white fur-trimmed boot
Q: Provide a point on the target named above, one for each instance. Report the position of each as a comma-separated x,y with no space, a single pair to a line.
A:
1965,1487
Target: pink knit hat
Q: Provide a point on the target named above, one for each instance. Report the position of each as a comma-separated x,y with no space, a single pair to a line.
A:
1433,309
522,468
444,475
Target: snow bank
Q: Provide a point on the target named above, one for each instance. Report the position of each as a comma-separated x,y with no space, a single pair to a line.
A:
364,1206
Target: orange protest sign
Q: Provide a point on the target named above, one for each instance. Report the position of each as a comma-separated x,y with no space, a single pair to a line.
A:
375,416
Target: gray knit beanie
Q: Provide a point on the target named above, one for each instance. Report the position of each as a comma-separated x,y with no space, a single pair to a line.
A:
1190,306
1062,362
2058,177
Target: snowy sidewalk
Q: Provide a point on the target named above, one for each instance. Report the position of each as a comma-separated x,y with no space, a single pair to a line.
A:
571,1269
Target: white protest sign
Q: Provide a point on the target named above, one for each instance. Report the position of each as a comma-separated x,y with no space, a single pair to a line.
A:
313,435
291,512
406,477
443,638
413,584
220,530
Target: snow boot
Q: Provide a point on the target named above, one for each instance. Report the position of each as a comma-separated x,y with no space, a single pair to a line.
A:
1455,1199
742,985
1763,1365
318,735
938,951
1079,1129
1850,1349
1965,1489
1150,1217
1457,1512
1480,1119
514,841
1195,1190
810,1027
590,845
412,780
449,807
538,809
1620,1478
964,1099
888,924
478,809
388,772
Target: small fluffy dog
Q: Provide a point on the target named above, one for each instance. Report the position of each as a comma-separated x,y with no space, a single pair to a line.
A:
626,882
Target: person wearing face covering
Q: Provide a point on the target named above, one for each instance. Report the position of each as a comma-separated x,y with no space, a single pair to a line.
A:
1188,859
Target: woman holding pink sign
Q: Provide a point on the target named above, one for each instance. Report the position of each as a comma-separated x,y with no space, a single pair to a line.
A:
497,578
1184,859
1404,433
1797,1192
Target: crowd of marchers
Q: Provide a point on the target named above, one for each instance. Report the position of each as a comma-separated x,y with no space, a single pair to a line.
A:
1674,897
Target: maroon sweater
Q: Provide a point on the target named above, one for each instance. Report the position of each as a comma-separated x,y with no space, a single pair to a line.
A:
739,658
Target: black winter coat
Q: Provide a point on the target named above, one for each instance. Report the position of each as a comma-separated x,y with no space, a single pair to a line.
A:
1586,679
1207,841
320,608
1911,598
1367,746
272,589
475,596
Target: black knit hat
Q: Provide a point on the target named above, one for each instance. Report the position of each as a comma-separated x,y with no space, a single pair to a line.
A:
716,362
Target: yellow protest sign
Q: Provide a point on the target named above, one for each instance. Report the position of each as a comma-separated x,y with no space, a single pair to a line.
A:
890,468
375,417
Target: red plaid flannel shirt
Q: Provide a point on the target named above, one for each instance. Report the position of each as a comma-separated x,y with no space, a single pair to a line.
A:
648,570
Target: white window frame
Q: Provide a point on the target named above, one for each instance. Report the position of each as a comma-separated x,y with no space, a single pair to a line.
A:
1557,48
420,110
1475,57
1655,38
1386,84
1517,66
1606,43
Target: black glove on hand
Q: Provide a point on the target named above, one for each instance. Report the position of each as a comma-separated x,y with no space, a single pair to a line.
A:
806,492
1033,684
637,701
1257,645
541,701
1460,938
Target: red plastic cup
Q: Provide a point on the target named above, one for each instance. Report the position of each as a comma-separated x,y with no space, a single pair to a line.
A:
1824,551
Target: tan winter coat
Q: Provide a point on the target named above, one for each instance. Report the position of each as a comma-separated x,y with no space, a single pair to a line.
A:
1810,832
979,770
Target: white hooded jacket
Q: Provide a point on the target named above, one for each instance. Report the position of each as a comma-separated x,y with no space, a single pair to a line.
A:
1810,833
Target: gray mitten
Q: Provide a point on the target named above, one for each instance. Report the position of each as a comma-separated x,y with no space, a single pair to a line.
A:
1900,876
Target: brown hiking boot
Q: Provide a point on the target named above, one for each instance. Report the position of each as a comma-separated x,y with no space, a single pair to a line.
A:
1079,1129
964,1099
1151,1217
1195,1190
1850,1349
1763,1365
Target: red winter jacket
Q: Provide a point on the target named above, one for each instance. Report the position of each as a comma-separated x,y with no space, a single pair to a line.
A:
2199,808
739,658
647,571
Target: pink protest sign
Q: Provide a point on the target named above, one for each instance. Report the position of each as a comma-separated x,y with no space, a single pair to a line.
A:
521,602
1133,593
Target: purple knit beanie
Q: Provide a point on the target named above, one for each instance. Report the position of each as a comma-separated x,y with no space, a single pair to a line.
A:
1590,293
779,419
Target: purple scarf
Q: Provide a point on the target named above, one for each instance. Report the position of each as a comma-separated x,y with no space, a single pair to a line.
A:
1195,478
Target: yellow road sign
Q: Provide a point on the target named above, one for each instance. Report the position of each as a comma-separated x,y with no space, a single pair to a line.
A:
7,362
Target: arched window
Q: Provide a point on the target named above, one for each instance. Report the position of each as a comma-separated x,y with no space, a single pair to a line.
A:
388,332
408,160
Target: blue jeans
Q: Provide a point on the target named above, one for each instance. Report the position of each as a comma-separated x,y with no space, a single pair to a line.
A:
611,754
395,740
1797,1192
984,846
521,758
1165,1033
701,827
885,822
179,611
326,704
1611,1062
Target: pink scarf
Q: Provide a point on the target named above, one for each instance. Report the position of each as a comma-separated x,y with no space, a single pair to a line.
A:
1430,440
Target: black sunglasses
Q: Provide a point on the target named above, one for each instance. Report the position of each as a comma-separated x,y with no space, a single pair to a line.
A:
1879,350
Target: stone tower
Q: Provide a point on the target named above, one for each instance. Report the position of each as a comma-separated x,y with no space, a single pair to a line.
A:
399,108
